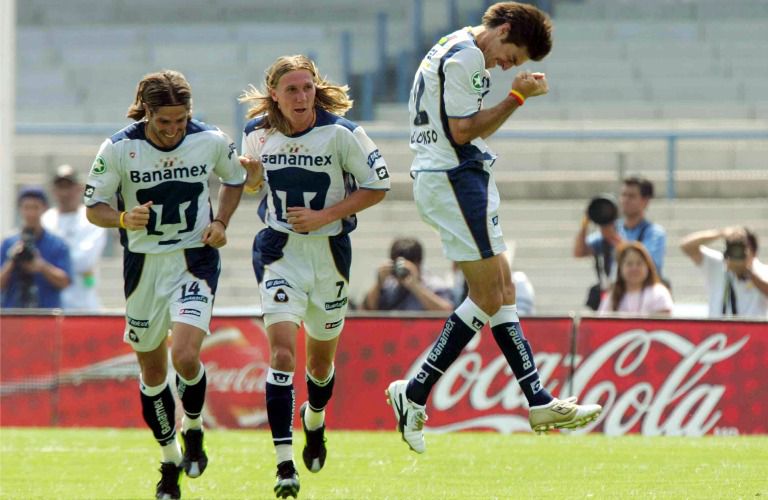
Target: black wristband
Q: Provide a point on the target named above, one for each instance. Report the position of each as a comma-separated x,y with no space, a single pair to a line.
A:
220,222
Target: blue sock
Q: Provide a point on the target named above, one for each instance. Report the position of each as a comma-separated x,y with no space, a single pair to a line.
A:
319,392
508,334
192,393
159,411
281,401
459,329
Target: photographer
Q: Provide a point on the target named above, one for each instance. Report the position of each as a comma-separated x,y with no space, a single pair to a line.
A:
35,264
402,286
636,194
736,281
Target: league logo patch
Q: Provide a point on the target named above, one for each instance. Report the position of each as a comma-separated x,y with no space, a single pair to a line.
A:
89,190
476,323
281,296
99,166
477,81
495,220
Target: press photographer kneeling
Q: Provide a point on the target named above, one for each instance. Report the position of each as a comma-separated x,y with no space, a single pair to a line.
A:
34,264
601,244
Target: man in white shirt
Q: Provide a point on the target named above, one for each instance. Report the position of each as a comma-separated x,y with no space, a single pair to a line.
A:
86,242
736,281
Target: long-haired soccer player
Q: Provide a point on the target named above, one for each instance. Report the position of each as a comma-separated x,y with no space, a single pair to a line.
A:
314,170
158,168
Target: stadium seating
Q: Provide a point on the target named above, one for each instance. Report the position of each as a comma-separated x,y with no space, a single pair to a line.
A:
655,64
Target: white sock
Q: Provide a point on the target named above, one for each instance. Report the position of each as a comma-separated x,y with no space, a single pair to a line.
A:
172,452
191,423
284,452
314,419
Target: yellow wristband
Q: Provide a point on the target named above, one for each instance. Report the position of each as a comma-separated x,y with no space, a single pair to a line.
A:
520,98
122,220
254,189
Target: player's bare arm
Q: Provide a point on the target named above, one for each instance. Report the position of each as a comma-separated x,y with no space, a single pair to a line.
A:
304,219
134,219
215,234
487,121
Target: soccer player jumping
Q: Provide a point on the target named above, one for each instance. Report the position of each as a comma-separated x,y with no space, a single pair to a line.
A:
159,168
456,193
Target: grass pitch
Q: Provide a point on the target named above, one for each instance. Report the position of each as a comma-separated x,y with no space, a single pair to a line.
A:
106,463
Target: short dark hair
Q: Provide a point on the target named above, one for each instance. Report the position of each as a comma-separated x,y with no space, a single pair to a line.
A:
408,248
35,192
528,26
644,185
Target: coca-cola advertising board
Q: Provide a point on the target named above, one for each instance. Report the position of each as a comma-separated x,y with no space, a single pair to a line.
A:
653,377
670,377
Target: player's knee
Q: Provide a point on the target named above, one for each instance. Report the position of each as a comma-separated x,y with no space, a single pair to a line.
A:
282,359
489,301
319,368
186,361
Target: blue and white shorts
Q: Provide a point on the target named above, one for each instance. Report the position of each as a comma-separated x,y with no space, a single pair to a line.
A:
303,278
162,289
462,205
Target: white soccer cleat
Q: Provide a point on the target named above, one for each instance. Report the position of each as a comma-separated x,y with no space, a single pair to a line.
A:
562,414
410,416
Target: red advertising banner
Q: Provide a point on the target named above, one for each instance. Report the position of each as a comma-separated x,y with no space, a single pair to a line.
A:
670,377
653,377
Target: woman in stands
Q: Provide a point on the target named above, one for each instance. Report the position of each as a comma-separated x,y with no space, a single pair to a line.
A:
306,162
638,288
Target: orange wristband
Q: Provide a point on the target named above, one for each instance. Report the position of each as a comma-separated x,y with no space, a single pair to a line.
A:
520,98
122,220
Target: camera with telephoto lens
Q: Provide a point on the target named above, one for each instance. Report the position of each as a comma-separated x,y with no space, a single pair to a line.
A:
735,250
399,269
28,247
603,210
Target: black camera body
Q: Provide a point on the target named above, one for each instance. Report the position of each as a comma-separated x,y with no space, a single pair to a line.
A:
603,210
735,250
28,248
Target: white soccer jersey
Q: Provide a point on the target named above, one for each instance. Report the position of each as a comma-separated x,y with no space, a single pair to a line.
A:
175,180
317,168
450,83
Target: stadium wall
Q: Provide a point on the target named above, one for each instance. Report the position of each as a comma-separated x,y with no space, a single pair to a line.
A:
653,376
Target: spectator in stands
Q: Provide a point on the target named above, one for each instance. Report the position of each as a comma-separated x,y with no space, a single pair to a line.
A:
86,241
736,281
403,285
159,168
638,289
636,195
315,171
35,264
456,193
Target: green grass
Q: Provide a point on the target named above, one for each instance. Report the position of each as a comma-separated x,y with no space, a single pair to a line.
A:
105,463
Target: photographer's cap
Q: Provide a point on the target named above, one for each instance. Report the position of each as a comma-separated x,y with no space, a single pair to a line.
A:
65,173
32,192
